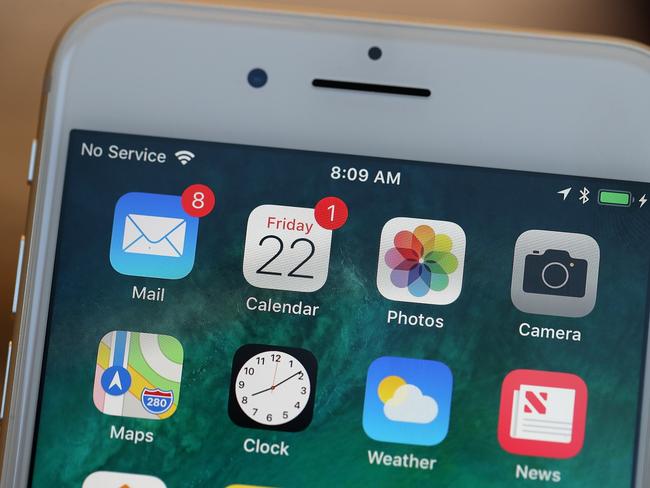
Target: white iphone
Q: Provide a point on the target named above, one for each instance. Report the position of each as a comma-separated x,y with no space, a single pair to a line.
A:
280,250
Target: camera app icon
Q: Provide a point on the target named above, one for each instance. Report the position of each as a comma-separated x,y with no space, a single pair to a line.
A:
555,273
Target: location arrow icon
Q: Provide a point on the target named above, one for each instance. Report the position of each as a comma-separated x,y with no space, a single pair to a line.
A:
565,193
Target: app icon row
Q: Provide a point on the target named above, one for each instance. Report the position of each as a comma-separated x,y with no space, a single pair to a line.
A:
406,401
106,479
420,260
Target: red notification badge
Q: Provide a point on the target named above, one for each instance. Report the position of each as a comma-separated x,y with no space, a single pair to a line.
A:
198,200
331,213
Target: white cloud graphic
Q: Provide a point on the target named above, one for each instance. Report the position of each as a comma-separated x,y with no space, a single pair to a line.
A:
408,404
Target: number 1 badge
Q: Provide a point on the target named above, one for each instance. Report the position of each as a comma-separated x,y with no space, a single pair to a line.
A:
286,249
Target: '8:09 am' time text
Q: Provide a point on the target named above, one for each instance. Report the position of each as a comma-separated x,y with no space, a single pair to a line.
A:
363,175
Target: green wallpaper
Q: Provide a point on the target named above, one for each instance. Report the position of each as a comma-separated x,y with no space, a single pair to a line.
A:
200,447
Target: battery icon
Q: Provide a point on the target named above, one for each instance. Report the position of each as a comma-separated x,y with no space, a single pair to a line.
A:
615,198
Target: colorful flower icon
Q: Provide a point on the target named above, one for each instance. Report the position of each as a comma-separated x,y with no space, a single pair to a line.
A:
421,260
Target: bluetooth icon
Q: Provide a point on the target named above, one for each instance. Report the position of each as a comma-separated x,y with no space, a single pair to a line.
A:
583,195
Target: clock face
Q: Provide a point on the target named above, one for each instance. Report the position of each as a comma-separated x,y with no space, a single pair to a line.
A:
272,387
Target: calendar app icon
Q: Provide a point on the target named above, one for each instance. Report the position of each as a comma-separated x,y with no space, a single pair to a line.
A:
286,249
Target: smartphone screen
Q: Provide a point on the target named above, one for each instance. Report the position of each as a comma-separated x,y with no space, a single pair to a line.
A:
226,315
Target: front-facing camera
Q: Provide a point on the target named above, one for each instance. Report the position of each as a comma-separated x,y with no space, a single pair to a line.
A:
374,53
257,77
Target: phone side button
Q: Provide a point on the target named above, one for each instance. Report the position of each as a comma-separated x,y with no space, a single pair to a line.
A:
32,161
19,269
6,381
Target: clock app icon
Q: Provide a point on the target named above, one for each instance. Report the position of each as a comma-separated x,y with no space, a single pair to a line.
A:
272,387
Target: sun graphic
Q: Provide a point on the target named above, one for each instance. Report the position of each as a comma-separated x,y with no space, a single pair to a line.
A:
388,386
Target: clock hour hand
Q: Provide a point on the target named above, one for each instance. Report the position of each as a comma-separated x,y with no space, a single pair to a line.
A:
272,381
262,391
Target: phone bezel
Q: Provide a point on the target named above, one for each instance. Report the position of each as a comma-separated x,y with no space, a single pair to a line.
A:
465,121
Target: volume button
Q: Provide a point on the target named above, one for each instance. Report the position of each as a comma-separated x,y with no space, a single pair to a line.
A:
32,161
19,270
4,388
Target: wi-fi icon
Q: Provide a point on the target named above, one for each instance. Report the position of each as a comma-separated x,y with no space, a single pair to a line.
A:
184,156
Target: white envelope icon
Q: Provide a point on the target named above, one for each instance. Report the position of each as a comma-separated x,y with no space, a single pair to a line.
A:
158,236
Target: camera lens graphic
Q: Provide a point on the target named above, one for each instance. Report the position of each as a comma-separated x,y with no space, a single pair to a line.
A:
555,275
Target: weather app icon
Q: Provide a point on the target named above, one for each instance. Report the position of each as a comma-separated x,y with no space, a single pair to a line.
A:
407,401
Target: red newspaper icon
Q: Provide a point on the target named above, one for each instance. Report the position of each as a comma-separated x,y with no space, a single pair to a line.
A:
542,413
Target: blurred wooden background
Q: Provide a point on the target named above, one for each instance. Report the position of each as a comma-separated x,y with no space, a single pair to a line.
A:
28,29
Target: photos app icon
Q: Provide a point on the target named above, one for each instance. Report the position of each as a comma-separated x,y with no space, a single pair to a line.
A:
421,261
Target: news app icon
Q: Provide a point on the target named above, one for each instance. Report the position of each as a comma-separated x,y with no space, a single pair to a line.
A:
153,236
286,249
542,414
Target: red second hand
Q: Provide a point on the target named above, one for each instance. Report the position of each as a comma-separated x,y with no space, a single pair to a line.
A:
274,373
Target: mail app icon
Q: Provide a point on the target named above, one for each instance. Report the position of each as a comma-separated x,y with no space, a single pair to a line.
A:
160,236
153,236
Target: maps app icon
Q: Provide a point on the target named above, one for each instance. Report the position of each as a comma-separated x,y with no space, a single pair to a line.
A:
138,375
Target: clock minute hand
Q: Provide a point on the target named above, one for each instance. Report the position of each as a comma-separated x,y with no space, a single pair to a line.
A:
285,380
273,387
